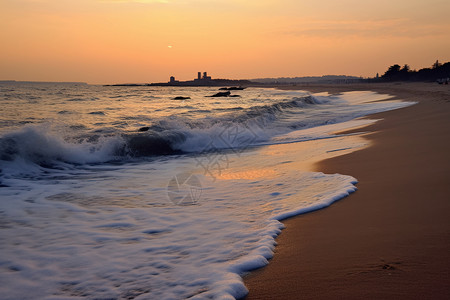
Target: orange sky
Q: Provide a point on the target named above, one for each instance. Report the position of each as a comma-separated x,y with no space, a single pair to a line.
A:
117,41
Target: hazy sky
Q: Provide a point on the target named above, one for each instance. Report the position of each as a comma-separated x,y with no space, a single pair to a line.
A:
112,41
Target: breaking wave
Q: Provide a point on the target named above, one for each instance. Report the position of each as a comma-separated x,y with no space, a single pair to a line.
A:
40,145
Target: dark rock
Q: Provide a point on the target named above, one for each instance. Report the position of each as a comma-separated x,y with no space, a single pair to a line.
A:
97,113
233,88
181,98
221,94
148,145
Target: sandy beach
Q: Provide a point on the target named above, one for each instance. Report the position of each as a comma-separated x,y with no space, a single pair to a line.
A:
390,239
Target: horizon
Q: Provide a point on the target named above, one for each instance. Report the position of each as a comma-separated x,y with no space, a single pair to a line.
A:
250,79
116,41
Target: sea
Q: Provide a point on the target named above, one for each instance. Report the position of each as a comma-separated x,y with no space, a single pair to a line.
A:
143,192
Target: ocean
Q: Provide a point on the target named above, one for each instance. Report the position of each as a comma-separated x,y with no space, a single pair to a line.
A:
131,193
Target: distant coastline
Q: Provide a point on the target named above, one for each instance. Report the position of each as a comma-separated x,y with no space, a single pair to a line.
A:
204,80
438,72
212,82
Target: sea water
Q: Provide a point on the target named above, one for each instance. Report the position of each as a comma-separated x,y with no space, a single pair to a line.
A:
127,193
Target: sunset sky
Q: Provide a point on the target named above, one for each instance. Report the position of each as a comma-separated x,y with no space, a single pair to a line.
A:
118,41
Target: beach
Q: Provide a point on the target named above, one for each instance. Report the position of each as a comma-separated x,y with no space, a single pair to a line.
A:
391,238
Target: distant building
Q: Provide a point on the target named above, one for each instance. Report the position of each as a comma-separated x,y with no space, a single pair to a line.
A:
202,80
205,76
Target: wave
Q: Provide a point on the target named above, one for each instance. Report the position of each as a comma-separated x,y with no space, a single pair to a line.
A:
296,102
37,145
42,147
46,147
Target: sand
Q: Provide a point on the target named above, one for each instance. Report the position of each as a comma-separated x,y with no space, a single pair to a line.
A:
390,239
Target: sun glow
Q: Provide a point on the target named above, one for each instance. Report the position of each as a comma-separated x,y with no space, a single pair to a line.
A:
108,41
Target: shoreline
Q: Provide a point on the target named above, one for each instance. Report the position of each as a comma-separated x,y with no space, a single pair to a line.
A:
391,238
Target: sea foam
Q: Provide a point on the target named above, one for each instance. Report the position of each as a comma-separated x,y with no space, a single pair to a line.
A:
84,234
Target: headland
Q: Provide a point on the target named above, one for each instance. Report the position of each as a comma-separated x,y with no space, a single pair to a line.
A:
204,80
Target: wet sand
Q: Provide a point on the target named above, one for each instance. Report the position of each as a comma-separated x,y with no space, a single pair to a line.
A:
390,239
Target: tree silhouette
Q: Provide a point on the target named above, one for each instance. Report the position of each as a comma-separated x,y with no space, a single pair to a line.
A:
392,73
436,64
397,73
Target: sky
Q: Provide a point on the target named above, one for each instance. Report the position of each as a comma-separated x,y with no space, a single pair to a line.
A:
123,41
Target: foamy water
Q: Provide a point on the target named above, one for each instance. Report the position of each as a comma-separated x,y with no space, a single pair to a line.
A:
92,208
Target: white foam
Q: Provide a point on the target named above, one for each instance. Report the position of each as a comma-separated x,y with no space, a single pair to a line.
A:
109,233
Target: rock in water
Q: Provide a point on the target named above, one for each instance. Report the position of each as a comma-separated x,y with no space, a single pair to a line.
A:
221,94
